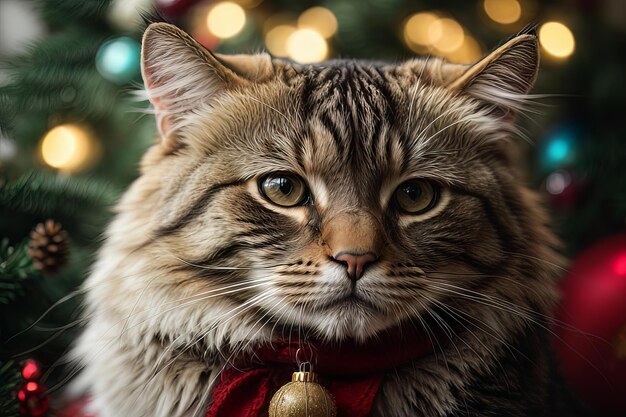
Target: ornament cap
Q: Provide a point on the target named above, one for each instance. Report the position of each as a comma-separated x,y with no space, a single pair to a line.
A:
304,377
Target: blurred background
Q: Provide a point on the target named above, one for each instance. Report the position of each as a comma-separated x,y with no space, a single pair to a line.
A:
71,135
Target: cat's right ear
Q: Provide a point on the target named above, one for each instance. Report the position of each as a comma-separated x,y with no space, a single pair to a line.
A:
180,75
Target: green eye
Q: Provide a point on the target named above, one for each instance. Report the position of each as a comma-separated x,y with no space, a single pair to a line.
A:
284,190
416,196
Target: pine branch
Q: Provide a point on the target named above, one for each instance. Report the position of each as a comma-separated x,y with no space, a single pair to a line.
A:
10,379
57,76
16,268
60,12
38,193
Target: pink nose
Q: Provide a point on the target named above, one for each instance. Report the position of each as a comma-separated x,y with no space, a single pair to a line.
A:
355,263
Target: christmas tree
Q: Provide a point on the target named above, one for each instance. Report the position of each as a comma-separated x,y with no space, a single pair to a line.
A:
72,132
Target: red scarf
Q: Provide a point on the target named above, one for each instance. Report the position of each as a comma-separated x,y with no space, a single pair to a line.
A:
352,373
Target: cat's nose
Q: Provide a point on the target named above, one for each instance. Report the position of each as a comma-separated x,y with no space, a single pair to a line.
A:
355,262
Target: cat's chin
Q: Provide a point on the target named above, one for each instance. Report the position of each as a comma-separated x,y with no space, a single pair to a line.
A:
349,318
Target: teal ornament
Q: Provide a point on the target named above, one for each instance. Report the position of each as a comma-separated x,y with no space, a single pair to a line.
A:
118,59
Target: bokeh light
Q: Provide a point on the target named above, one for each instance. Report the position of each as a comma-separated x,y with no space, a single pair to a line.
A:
503,11
558,181
69,147
226,19
446,35
556,39
319,19
307,46
559,148
469,52
428,32
118,60
276,40
416,28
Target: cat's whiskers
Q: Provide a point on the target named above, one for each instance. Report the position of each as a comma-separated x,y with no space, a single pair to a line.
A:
283,115
217,322
542,316
232,314
84,289
486,301
419,143
79,367
459,315
231,268
203,296
534,258
199,411
527,314
413,314
459,121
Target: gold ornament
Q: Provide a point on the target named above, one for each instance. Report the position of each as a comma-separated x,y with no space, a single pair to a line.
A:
303,397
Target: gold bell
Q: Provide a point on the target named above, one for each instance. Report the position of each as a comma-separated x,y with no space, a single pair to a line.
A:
303,397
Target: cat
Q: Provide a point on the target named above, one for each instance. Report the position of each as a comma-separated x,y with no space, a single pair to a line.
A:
333,202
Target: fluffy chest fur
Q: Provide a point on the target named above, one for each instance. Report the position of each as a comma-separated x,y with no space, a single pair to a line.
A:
329,202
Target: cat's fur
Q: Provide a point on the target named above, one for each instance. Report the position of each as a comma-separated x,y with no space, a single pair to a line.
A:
198,265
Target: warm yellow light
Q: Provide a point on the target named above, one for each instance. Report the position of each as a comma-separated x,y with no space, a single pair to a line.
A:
276,40
67,147
306,46
417,27
468,53
503,11
226,19
319,19
446,35
557,39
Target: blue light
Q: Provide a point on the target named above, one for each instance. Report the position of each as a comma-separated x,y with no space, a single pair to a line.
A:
117,60
558,149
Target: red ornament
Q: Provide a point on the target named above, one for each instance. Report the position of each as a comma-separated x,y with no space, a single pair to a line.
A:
591,337
34,401
31,371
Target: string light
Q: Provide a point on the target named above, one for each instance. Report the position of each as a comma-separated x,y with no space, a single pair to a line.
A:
556,39
226,19
69,147
503,11
319,19
307,46
276,40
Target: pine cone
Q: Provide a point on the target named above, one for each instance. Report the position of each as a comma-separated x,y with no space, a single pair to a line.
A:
48,246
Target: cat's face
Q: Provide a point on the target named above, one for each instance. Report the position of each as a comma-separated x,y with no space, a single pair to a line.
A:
338,199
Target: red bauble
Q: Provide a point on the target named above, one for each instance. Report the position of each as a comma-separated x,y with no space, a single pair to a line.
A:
31,371
34,401
591,338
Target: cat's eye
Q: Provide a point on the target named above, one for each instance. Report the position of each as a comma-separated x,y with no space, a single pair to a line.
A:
416,196
284,190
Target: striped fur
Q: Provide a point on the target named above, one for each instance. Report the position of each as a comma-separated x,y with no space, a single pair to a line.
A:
199,267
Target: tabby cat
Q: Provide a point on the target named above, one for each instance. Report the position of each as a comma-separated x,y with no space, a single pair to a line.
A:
329,202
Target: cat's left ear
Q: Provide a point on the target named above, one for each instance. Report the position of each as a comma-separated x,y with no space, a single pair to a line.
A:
503,78
180,75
